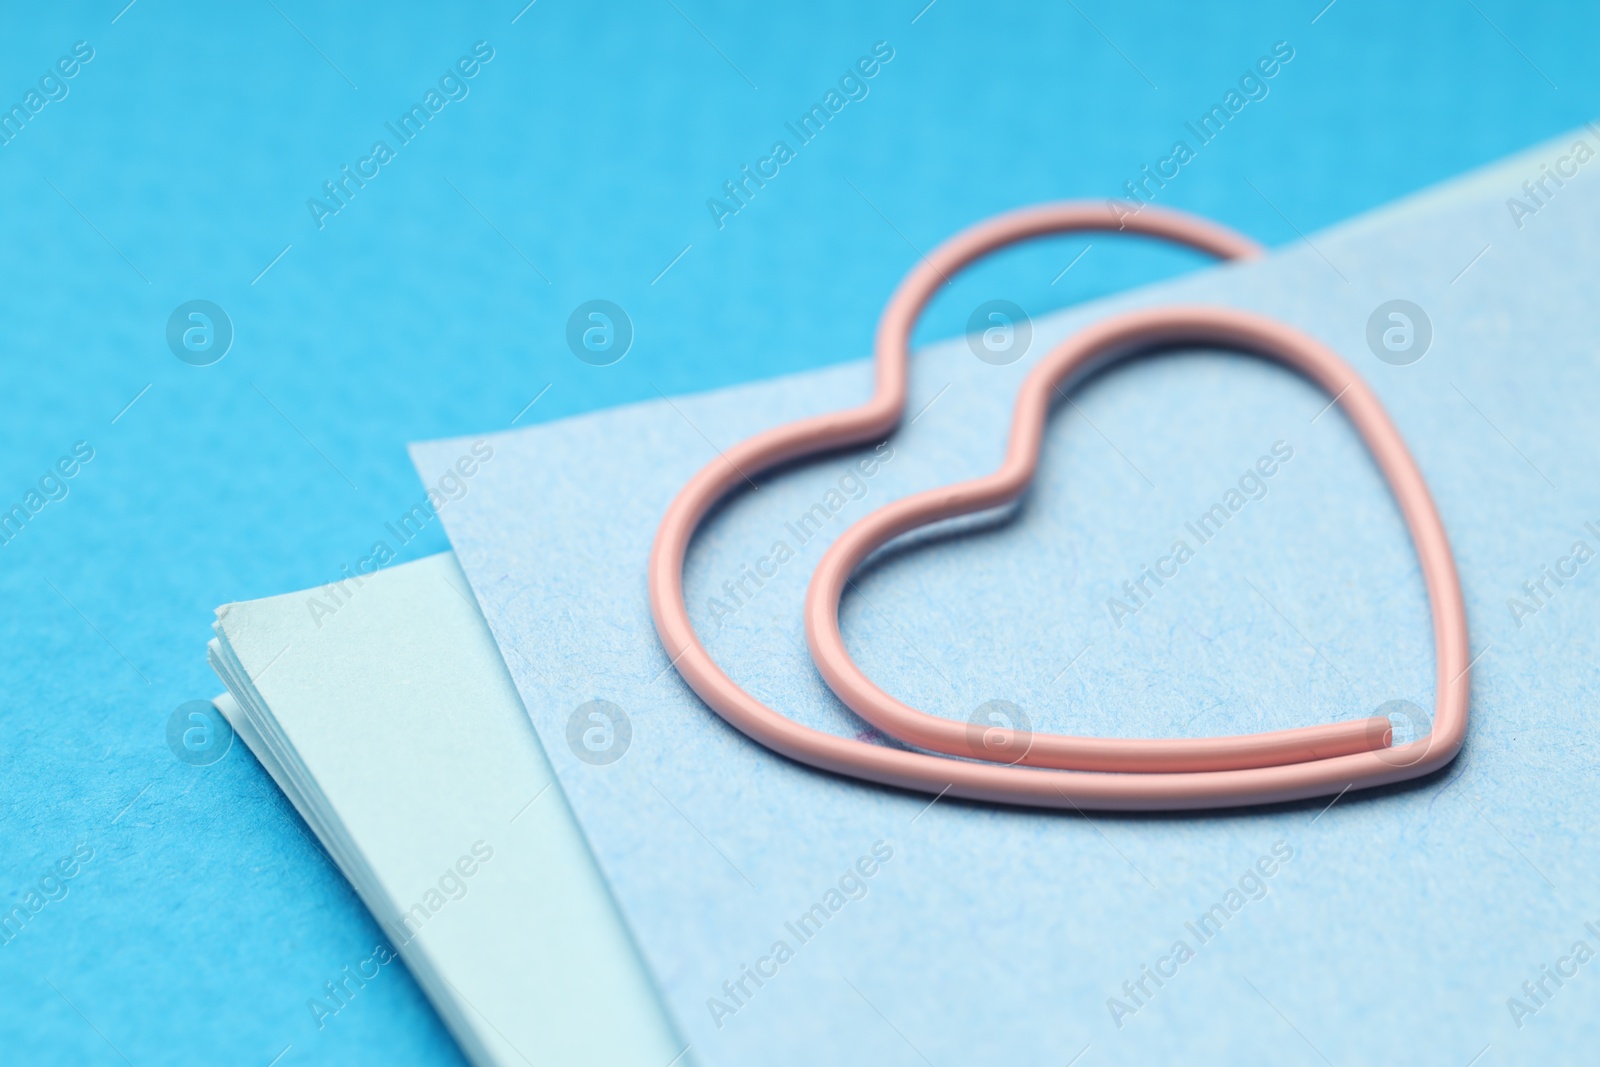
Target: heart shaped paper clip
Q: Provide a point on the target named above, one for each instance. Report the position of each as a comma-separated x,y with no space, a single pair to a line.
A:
1048,770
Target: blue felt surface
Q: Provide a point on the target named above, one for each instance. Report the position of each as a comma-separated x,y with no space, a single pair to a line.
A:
992,934
177,168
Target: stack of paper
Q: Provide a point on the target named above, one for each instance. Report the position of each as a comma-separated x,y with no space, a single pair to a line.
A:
394,729
789,916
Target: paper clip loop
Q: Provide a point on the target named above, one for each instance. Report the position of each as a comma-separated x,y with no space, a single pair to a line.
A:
1053,770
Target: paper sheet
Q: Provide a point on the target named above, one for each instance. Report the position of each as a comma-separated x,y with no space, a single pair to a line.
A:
382,709
1395,924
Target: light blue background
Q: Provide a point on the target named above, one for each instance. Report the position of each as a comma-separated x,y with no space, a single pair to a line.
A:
180,165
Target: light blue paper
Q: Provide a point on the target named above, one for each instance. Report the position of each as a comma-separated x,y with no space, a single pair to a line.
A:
1395,924
381,709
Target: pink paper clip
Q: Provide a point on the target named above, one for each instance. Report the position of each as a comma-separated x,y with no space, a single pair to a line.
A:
1053,770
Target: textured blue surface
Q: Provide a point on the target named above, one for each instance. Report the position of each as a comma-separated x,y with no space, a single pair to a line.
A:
178,167
1001,936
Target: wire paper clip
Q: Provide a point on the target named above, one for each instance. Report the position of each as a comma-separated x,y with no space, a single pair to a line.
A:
1054,770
